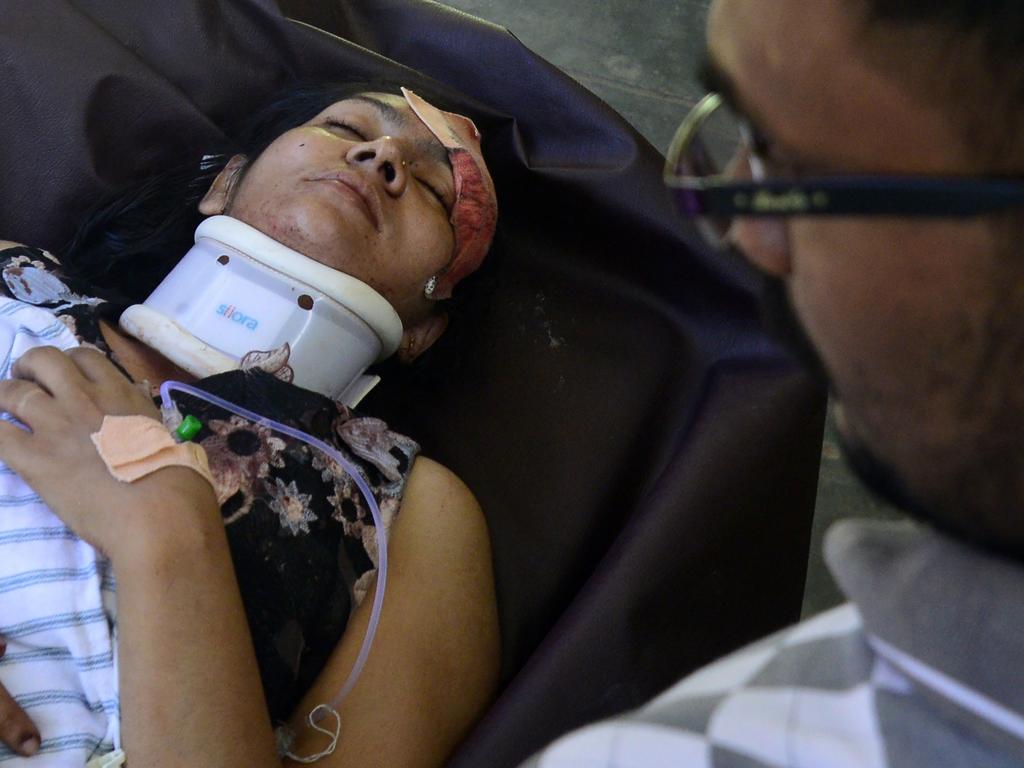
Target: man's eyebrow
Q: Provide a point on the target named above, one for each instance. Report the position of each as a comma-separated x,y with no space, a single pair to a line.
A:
715,79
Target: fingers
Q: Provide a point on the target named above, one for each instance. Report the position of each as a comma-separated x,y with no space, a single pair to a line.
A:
16,448
95,366
16,730
82,381
27,402
111,390
51,369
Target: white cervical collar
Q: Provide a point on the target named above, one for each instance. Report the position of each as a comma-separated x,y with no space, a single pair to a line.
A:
239,299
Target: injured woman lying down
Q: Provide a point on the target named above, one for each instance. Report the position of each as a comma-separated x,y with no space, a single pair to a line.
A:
175,603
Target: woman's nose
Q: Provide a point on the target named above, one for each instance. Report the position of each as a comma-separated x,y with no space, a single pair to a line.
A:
383,157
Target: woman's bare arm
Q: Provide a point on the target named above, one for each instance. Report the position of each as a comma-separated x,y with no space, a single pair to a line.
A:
190,687
433,669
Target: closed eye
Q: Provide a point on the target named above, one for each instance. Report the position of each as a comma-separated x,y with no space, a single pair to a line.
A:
435,192
345,127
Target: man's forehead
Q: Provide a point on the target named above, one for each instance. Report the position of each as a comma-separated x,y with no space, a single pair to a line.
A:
781,62
802,71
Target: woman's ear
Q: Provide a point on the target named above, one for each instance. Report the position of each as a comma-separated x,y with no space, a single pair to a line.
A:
420,337
217,197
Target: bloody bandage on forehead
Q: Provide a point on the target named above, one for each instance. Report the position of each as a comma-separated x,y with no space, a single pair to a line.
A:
475,212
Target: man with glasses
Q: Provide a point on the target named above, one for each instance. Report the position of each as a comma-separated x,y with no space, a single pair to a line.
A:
867,156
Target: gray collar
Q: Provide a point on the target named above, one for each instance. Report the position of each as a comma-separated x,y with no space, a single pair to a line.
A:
956,608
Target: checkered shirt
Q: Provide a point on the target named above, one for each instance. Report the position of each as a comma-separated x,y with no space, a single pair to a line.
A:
832,693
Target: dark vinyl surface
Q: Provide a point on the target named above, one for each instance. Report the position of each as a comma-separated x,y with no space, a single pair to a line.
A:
641,57
646,458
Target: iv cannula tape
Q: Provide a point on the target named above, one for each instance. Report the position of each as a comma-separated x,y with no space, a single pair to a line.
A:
171,414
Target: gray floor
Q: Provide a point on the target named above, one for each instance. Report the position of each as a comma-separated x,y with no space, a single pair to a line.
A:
640,56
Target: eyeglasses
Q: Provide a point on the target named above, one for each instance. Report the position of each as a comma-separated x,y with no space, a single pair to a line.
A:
717,172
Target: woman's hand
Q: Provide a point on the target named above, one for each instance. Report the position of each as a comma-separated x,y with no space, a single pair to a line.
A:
16,731
190,686
62,398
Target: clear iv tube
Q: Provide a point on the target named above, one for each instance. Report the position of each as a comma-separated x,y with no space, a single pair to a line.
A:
168,407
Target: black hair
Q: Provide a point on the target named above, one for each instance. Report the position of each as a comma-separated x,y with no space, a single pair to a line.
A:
999,23
991,35
128,242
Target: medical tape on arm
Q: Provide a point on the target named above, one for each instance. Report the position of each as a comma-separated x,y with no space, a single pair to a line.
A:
135,446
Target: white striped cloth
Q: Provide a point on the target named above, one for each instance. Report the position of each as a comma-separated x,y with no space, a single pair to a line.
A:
57,607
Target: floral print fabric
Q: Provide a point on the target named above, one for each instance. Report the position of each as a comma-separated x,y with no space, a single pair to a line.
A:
302,538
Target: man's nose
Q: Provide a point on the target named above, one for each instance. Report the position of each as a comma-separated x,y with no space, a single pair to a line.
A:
763,241
383,157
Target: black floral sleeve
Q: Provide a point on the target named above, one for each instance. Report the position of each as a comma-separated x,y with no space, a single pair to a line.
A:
302,537
32,275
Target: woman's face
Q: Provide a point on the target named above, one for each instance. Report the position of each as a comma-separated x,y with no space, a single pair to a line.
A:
364,187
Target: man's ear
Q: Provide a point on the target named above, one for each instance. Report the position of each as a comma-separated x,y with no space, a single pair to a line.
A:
217,197
420,337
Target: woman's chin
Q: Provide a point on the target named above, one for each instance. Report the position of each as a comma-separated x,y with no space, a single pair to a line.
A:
321,233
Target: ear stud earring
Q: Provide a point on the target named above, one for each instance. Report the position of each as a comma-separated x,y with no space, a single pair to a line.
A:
430,287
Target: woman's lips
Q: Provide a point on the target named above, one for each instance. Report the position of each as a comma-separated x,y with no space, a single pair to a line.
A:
355,189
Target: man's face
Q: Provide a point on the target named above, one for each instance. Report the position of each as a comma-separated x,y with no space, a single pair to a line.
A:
916,322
